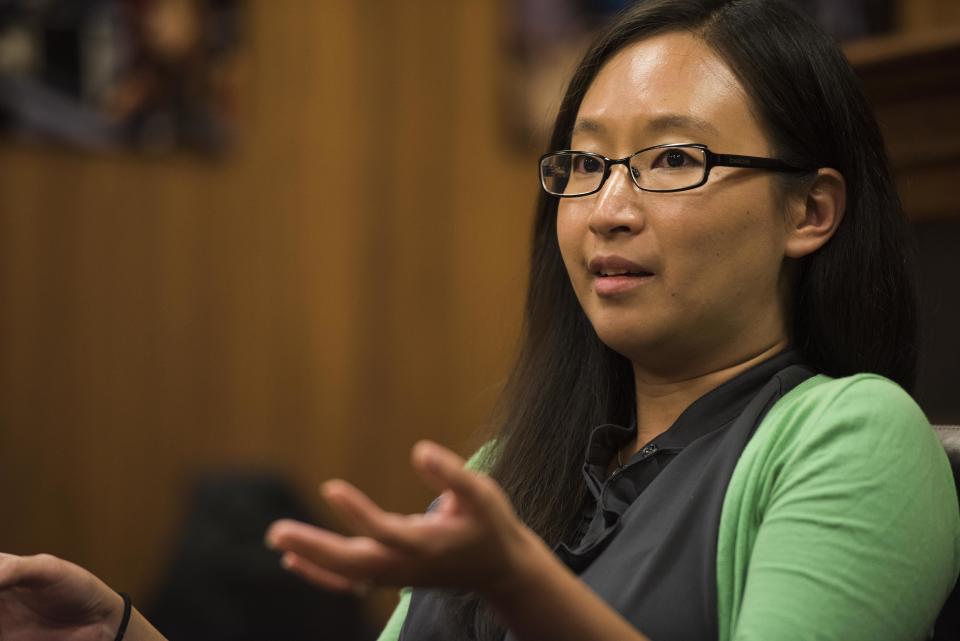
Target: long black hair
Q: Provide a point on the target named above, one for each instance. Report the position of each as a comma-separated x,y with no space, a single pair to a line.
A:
854,302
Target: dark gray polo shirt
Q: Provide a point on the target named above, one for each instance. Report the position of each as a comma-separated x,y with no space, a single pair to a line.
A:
648,542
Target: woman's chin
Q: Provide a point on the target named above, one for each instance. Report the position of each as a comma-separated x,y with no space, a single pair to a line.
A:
633,345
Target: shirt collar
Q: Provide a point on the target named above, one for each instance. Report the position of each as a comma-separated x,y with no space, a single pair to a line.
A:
710,412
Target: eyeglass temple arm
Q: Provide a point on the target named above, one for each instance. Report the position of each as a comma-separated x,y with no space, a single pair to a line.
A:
753,162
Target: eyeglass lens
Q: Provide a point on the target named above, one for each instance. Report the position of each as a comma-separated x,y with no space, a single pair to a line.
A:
657,169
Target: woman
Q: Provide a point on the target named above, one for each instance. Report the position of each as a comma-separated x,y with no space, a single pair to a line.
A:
691,446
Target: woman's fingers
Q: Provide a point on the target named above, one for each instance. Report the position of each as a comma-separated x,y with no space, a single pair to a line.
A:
443,469
317,575
366,518
34,571
357,558
10,570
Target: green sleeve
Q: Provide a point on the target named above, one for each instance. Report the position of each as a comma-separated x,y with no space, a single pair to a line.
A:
391,632
843,521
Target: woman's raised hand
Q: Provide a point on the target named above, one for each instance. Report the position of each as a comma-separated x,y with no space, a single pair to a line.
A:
472,539
45,598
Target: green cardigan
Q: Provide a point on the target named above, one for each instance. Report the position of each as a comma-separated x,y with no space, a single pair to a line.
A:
840,521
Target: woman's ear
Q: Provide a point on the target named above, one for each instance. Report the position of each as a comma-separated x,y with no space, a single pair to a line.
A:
816,213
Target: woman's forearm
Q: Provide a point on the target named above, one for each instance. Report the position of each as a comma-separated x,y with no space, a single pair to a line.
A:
544,600
141,630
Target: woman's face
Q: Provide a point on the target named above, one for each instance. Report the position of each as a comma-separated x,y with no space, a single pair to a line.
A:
714,253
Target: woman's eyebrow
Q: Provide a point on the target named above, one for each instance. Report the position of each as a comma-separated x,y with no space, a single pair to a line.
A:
659,124
666,122
586,125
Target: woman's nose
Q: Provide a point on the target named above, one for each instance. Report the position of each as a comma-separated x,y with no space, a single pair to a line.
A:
617,205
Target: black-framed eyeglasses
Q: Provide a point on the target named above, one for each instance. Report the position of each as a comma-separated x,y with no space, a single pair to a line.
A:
661,168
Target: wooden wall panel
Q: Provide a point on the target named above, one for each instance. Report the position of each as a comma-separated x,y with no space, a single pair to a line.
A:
912,83
346,281
921,15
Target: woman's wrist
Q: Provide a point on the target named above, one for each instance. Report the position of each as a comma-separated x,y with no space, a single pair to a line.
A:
540,598
124,617
140,629
530,561
114,617
137,627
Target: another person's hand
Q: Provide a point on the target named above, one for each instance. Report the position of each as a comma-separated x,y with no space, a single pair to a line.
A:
45,598
472,539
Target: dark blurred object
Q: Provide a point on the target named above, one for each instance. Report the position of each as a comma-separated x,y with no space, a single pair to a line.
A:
147,74
223,584
851,19
947,627
938,388
545,38
539,24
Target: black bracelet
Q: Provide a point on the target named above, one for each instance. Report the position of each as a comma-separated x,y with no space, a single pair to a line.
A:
126,616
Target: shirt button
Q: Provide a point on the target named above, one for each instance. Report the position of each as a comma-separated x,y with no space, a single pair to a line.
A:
648,450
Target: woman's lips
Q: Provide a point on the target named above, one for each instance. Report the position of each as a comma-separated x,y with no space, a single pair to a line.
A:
614,275
614,285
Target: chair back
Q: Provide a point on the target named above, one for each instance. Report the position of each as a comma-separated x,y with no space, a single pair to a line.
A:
947,627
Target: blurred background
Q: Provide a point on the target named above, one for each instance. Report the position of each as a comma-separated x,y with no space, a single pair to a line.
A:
246,246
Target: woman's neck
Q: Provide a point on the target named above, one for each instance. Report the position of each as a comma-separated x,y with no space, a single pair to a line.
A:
661,401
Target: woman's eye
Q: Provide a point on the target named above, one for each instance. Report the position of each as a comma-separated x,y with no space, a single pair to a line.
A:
587,165
676,159
672,159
